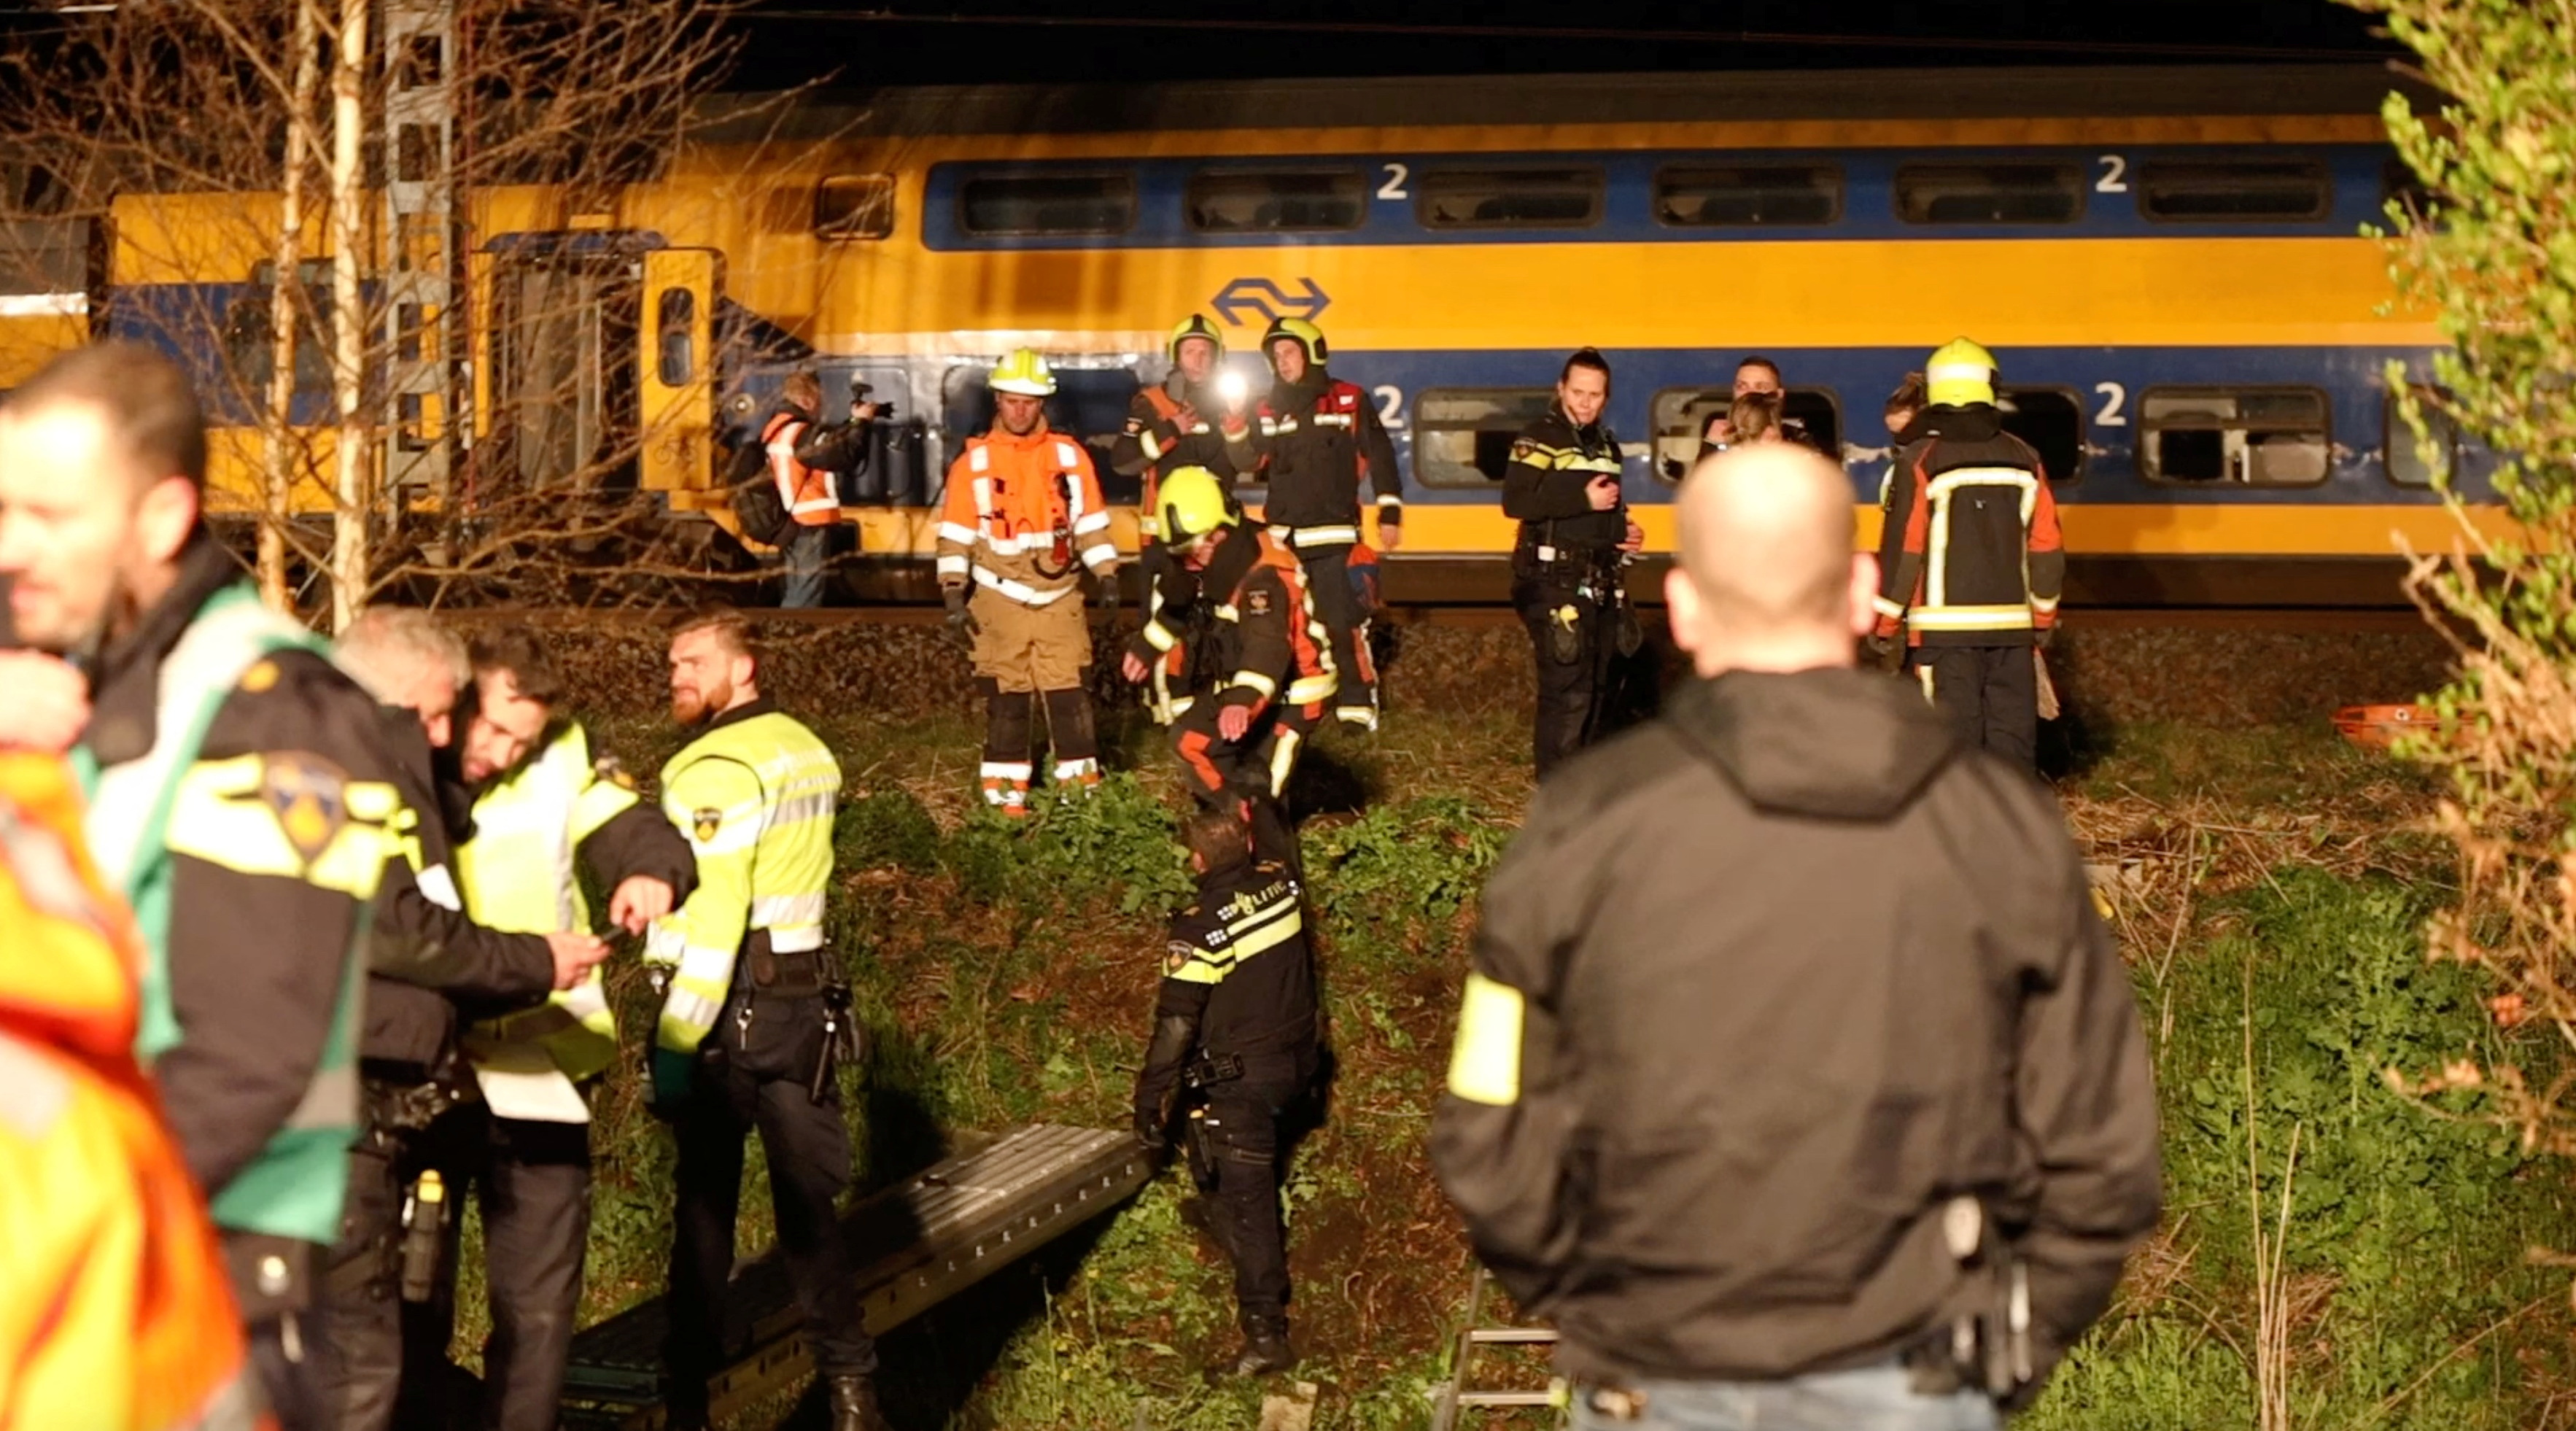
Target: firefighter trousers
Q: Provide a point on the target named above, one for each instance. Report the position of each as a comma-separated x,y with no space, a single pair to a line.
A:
1346,621
1574,639
757,1075
1990,694
1243,1117
533,1185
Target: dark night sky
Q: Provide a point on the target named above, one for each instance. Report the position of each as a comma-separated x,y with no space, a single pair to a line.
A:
972,41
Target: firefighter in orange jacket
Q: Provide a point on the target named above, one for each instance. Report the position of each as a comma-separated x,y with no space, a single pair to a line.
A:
1182,421
1268,659
117,1314
1022,520
1970,562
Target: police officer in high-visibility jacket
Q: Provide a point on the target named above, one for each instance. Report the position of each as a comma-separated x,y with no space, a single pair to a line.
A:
1970,561
1176,423
115,1315
1269,660
755,1018
541,802
236,799
1022,521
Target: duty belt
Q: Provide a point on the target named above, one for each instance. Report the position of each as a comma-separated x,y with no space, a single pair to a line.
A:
799,974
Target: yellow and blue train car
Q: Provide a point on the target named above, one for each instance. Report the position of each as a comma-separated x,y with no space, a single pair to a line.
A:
2170,264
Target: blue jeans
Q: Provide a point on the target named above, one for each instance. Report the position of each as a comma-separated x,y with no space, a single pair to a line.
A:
807,550
1874,1398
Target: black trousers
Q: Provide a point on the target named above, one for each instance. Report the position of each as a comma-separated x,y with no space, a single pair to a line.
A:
1990,694
354,1331
532,1182
1337,605
281,1362
1576,662
759,1077
1243,1117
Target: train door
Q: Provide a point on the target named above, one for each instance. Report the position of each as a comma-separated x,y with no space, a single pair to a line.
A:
678,367
560,380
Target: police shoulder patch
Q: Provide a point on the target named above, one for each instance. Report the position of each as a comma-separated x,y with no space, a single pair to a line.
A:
1177,956
307,795
614,771
1523,449
706,822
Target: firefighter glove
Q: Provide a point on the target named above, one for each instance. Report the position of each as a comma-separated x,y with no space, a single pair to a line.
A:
2040,638
961,622
1884,652
1150,1130
1109,595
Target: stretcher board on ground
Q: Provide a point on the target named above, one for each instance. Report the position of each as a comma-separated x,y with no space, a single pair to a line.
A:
916,1244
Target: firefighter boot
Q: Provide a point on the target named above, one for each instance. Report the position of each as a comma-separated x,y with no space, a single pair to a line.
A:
1265,1347
1008,718
854,1404
1076,740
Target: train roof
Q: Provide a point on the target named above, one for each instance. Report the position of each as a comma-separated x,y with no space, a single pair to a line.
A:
2020,93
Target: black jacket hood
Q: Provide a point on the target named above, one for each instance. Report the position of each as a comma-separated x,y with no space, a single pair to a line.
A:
1833,743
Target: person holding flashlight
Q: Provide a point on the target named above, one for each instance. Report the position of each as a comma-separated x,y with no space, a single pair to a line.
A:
1171,425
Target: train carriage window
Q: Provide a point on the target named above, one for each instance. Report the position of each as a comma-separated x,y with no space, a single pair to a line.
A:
1510,198
854,206
2405,454
2249,437
1989,193
2051,420
1462,437
1695,195
675,314
1050,204
1682,414
1276,201
2222,190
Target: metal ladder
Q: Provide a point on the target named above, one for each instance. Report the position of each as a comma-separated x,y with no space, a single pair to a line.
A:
1460,1396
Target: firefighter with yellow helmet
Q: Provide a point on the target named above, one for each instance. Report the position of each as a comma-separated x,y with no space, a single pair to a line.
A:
1267,658
1021,522
1314,441
542,803
1970,561
1179,422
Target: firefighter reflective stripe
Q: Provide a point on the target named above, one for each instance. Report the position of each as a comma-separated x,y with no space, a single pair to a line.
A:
1258,683
1019,591
2015,617
1283,760
1485,1064
1008,770
1938,494
1307,690
1891,609
2043,605
952,566
1323,536
755,795
955,532
1923,674
519,875
1159,636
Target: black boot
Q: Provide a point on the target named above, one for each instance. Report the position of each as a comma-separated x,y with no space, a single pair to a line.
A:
1265,1347
854,1404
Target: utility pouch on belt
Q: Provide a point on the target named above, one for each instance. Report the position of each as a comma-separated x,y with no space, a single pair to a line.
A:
841,1042
1198,1150
424,1220
1213,1068
781,976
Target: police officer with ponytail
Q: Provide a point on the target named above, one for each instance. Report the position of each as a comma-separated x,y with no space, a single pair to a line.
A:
1567,565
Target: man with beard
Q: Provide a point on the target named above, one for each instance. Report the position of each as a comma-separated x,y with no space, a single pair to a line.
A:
1315,440
754,793
1168,430
542,806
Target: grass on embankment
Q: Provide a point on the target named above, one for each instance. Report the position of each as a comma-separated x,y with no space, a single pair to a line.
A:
1007,976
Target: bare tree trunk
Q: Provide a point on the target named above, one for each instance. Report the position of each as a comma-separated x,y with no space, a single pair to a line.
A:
286,292
350,555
